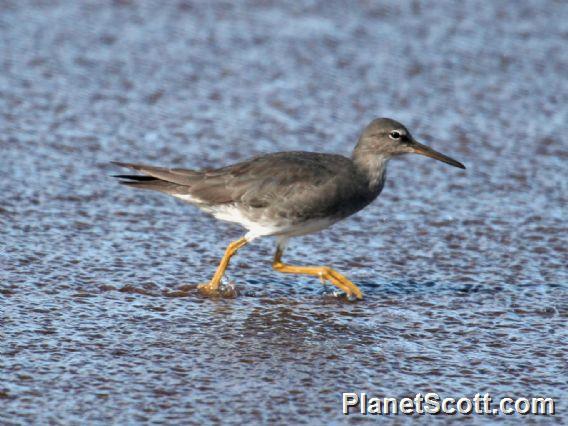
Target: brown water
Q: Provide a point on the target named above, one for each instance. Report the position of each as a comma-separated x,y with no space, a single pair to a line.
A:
464,273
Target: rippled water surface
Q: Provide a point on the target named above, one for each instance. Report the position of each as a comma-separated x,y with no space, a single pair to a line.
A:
464,273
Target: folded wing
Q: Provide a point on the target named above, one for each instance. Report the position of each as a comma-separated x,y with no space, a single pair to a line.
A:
289,183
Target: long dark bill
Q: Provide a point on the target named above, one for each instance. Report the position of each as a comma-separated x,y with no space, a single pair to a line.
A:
429,152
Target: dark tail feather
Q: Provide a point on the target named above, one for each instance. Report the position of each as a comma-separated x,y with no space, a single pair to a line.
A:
179,176
136,177
143,182
170,181
149,182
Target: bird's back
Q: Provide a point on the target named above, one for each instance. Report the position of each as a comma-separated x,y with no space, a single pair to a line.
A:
293,186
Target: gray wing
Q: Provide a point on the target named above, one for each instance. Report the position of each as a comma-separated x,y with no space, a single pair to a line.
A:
291,184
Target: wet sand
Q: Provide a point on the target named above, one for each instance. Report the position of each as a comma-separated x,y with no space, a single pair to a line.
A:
464,273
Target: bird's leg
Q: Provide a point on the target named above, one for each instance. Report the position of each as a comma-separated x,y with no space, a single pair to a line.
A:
323,272
212,287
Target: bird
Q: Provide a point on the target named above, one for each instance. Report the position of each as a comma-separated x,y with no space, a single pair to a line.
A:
288,194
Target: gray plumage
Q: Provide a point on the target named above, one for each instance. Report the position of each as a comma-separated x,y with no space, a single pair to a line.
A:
294,185
286,190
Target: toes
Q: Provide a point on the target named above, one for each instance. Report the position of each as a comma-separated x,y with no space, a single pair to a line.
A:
358,295
351,290
208,290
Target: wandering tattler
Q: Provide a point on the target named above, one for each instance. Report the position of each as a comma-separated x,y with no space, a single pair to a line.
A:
286,194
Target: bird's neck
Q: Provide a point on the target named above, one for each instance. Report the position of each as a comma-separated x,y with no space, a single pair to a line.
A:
373,167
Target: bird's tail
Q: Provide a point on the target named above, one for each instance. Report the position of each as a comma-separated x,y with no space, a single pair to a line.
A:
143,182
155,178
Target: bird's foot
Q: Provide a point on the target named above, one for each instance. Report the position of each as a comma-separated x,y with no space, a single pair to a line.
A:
207,289
352,292
346,295
223,289
352,297
337,293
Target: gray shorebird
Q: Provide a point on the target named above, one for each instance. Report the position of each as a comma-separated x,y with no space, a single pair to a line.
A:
287,194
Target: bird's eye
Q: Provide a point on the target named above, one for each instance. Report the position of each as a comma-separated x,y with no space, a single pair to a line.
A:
395,134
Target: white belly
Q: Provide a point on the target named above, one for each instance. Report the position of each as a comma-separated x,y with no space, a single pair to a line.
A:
263,225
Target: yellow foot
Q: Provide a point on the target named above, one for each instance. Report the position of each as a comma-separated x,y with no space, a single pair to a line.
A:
350,296
209,290
324,273
352,292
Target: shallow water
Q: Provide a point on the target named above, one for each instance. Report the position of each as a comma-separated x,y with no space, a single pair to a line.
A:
464,273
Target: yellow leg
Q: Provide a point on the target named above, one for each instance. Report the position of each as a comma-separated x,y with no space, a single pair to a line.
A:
323,272
212,287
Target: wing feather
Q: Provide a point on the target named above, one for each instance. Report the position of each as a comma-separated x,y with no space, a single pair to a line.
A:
291,184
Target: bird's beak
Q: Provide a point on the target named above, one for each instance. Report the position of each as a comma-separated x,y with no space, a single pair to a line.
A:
418,148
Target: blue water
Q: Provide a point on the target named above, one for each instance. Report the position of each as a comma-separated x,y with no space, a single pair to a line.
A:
464,273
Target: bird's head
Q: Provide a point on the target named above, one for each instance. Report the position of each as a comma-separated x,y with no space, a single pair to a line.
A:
384,137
